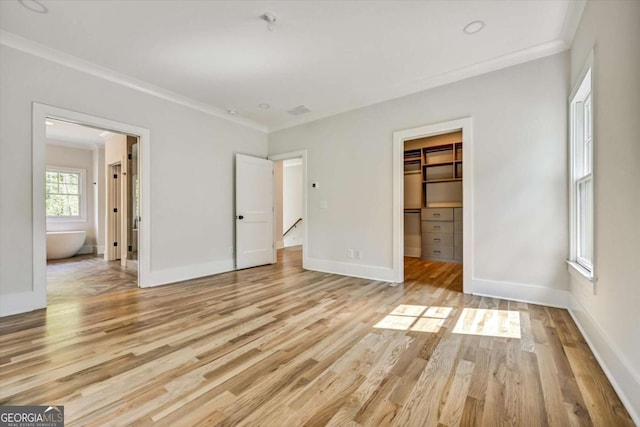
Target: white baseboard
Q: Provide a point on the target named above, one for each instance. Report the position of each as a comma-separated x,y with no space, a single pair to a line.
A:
20,303
520,292
279,244
179,274
619,370
413,252
347,269
100,250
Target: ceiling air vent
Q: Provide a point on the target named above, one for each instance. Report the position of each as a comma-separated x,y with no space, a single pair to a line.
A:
300,109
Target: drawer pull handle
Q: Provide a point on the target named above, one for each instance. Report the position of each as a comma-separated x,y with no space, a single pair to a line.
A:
436,227
436,240
436,252
436,214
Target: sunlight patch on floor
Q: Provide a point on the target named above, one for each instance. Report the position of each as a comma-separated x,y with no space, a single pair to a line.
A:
416,318
488,322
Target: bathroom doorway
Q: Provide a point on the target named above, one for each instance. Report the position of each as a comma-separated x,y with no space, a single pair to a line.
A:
91,201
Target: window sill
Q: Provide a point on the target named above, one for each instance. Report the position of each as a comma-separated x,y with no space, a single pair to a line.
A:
582,276
51,220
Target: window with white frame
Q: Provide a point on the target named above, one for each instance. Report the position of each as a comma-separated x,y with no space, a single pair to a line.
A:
65,198
581,128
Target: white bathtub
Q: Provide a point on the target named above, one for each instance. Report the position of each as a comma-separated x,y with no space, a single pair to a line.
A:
64,244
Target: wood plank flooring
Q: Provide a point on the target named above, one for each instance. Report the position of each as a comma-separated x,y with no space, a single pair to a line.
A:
279,346
84,276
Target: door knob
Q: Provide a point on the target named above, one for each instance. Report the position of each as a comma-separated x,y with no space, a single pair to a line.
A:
240,216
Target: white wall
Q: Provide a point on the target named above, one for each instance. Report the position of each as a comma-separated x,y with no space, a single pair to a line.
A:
520,200
292,199
191,176
610,318
58,155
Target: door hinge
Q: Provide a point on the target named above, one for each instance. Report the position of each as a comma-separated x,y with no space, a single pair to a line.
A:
115,176
115,243
129,156
130,248
115,210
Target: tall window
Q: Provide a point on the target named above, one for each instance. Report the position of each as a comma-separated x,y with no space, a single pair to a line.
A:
581,114
64,193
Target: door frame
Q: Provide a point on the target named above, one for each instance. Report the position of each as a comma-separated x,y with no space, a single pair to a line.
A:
300,154
399,138
42,112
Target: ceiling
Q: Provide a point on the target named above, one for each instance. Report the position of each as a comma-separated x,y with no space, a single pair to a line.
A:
331,56
71,134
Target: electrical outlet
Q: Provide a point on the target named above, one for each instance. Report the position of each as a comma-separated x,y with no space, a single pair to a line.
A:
356,254
350,253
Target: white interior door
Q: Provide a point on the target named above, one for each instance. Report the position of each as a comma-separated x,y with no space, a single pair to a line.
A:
254,212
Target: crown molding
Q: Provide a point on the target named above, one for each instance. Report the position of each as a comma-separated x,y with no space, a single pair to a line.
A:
416,86
34,48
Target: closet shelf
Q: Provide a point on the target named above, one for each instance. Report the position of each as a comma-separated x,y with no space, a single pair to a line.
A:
450,162
435,181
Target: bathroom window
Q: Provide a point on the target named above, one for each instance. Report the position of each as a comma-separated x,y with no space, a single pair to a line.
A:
65,198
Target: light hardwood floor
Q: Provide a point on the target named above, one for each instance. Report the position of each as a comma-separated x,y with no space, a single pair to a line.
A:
279,346
85,276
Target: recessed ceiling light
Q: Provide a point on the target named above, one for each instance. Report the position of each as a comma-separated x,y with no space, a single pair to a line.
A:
473,27
264,106
232,111
34,6
49,123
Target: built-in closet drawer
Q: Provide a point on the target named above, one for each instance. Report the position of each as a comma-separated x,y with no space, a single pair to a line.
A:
437,251
437,227
437,214
457,239
437,239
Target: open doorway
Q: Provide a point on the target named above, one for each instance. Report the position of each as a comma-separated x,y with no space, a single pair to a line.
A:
290,208
433,208
91,202
433,204
123,200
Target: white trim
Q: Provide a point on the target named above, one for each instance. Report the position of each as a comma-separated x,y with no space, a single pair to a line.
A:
521,292
302,154
525,55
174,275
575,269
620,371
29,46
363,271
410,88
40,113
399,137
